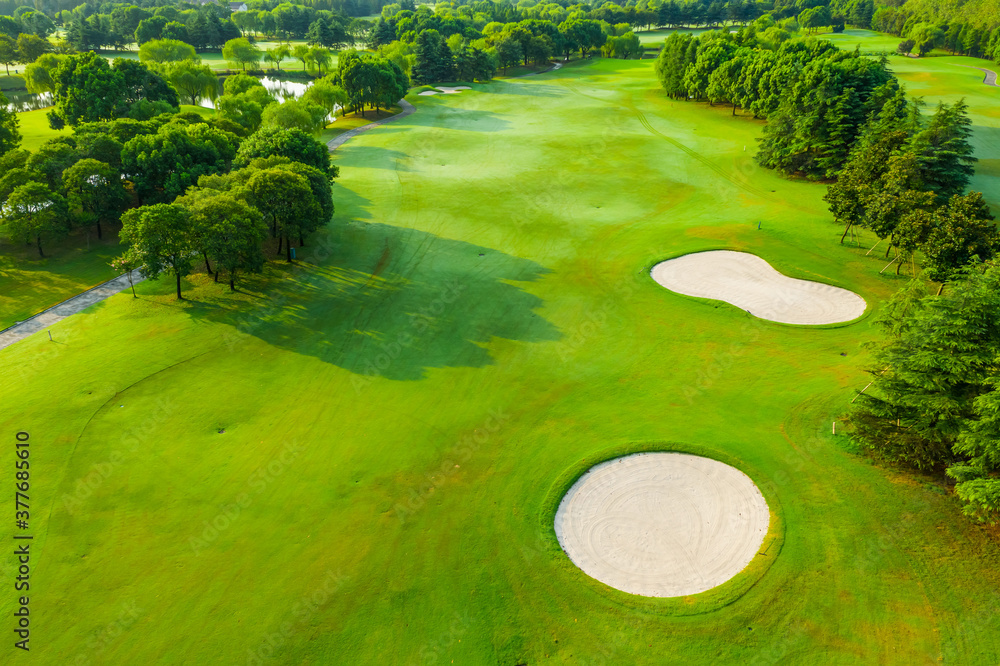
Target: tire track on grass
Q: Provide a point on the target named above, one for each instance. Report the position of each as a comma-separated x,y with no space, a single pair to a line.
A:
83,430
726,175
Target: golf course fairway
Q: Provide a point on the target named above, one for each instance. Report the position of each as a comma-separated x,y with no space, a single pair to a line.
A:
358,458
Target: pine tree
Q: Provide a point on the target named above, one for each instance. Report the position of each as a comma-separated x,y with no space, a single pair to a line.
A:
944,152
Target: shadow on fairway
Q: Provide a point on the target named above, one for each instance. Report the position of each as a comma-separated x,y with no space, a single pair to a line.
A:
392,302
373,157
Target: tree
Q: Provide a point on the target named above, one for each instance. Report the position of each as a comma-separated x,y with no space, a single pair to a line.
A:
33,211
434,62
944,151
10,137
959,232
31,47
166,50
149,29
286,199
160,238
8,52
241,52
232,232
325,93
140,84
162,166
301,53
128,262
320,57
276,54
39,76
295,114
52,158
508,52
291,143
192,80
244,102
86,89
95,189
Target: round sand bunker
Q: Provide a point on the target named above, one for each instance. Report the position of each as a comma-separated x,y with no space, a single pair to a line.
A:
750,283
662,524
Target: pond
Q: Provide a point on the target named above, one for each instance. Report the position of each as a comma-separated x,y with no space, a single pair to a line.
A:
281,90
22,100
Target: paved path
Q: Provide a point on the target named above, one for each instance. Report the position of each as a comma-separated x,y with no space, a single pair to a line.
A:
60,311
337,142
991,77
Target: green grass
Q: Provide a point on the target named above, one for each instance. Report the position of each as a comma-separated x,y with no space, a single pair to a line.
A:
217,62
380,434
11,82
867,40
29,284
351,121
35,130
947,78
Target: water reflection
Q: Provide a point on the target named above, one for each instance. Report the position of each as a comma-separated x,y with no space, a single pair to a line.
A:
280,90
26,101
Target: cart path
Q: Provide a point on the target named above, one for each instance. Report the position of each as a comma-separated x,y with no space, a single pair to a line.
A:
991,77
338,141
60,311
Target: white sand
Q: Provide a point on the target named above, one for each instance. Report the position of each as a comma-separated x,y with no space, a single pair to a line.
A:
445,90
750,283
662,524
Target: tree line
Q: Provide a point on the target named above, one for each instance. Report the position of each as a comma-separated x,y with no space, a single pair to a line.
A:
182,187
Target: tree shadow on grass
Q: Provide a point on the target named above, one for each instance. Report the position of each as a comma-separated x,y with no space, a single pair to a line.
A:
393,302
372,157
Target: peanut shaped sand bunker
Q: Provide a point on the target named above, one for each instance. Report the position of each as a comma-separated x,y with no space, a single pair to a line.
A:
750,283
662,524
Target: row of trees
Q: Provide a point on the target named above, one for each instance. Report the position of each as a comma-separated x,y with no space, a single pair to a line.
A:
174,181
922,32
934,400
815,96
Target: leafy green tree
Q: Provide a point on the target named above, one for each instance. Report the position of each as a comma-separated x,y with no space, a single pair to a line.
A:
327,94
276,54
291,143
86,89
321,57
295,114
160,236
95,190
31,47
286,200
434,62
192,80
39,76
301,53
232,232
8,52
127,263
33,211
508,52
672,62
175,30
10,136
944,150
166,50
140,84
162,166
979,445
959,232
52,158
926,375
241,52
150,29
